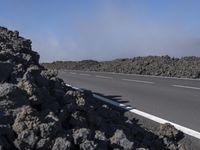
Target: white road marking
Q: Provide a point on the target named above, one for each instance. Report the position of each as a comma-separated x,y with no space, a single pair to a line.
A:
185,130
187,87
73,72
68,85
84,74
151,117
104,77
151,76
139,81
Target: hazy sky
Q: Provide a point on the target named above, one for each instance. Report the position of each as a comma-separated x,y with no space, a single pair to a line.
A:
105,29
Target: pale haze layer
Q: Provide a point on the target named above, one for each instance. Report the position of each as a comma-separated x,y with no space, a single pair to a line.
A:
105,29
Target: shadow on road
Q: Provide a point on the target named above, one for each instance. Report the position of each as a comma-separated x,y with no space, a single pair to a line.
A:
115,98
115,124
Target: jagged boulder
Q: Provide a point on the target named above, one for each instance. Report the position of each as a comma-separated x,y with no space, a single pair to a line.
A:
119,140
5,69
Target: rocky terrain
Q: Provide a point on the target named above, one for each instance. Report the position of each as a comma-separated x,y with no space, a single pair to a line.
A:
185,67
38,111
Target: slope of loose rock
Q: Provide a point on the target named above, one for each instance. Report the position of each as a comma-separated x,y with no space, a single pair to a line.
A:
38,111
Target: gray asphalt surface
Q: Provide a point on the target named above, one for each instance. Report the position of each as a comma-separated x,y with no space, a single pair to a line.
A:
175,100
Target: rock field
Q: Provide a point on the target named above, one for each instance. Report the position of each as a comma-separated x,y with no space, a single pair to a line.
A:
185,67
38,111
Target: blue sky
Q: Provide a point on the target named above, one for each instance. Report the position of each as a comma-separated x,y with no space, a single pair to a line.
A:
105,29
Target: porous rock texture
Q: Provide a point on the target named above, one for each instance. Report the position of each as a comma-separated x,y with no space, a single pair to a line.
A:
185,67
38,111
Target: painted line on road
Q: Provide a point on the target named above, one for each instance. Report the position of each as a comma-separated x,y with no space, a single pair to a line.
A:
185,130
72,72
151,117
104,77
187,87
128,74
139,81
84,74
68,85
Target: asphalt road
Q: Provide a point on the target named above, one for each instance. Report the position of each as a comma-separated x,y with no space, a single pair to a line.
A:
176,100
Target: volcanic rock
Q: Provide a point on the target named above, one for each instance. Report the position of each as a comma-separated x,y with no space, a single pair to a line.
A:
184,67
38,111
120,139
5,69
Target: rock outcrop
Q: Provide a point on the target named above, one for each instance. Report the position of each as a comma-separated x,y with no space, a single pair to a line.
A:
38,111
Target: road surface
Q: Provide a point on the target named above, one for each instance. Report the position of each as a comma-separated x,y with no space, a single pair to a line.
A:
176,100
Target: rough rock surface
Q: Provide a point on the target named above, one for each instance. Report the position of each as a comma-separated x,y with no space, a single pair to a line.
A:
38,111
185,67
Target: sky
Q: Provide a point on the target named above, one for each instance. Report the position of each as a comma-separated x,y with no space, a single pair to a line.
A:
105,29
